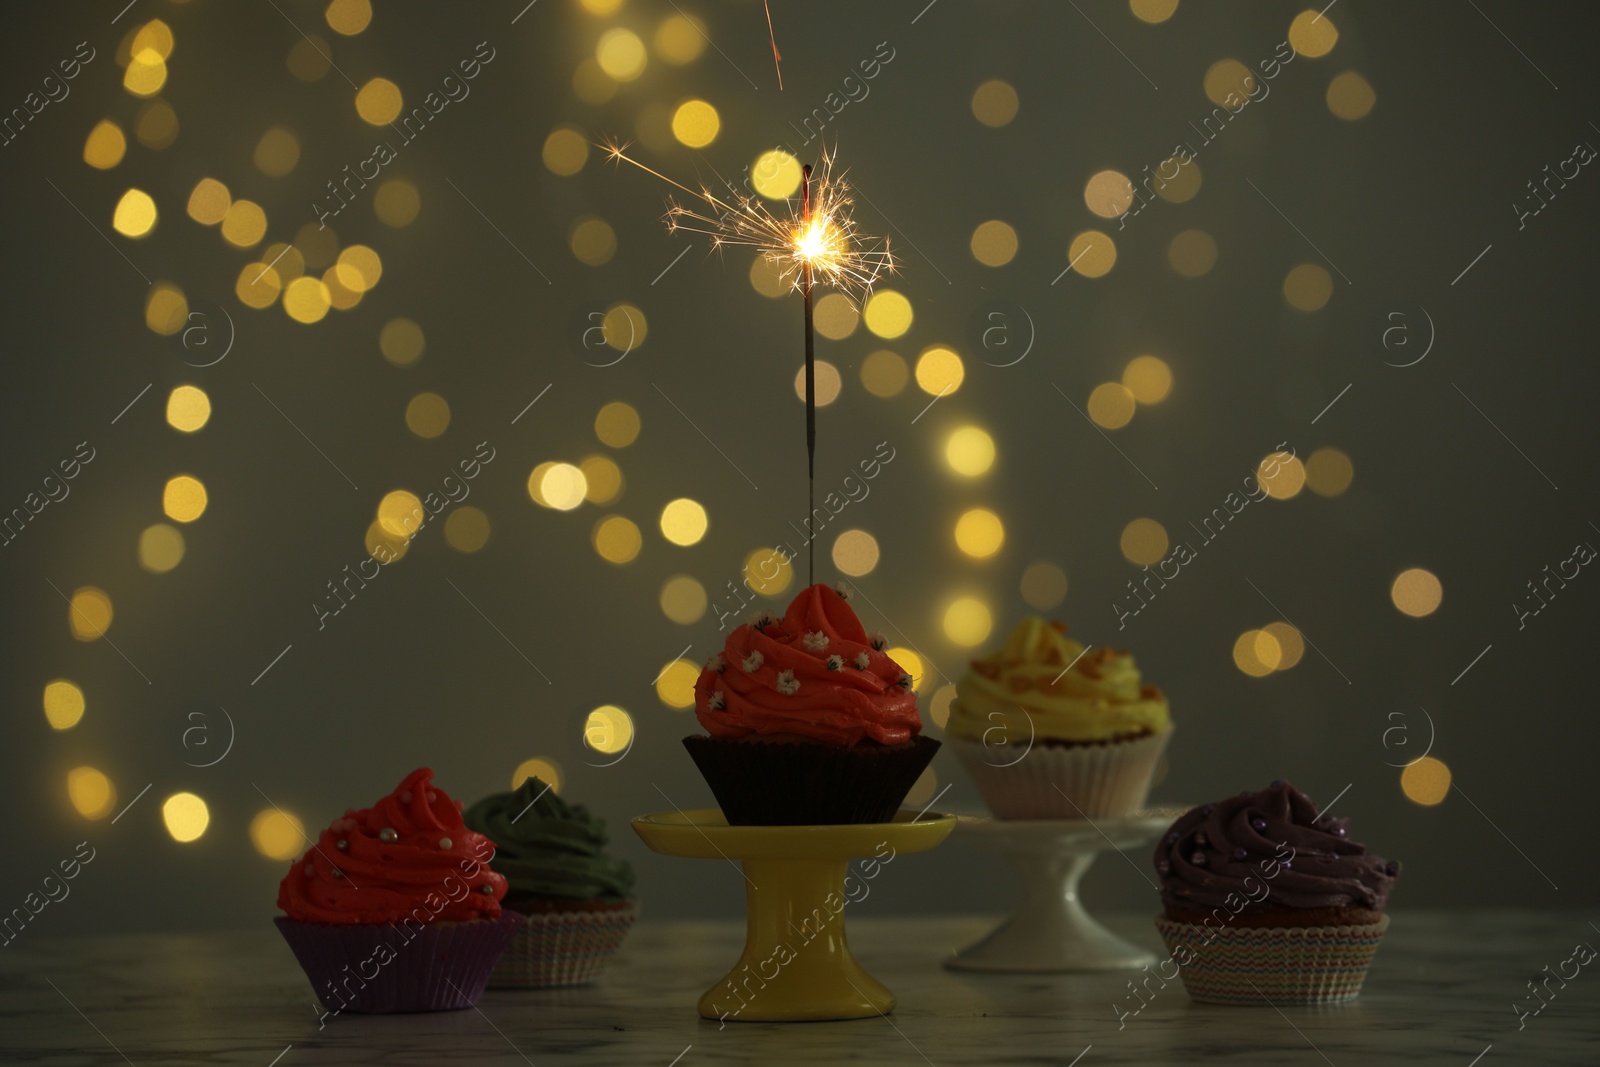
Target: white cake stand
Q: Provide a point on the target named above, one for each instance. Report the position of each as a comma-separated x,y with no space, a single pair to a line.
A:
1050,930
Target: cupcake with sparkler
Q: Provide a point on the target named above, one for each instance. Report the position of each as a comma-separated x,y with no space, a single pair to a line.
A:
808,721
574,903
395,909
1268,901
1051,729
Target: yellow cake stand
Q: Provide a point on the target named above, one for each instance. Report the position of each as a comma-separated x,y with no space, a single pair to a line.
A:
796,964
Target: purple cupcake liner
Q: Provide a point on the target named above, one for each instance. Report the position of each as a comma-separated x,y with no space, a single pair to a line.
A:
379,969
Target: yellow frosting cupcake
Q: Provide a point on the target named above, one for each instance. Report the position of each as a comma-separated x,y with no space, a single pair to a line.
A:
1043,685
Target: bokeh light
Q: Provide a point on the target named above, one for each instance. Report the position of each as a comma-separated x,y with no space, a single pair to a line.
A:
89,613
308,59
186,816
608,730
397,203
166,309
105,145
1426,781
994,243
969,451
887,314
939,705
884,373
768,571
1148,378
277,152
135,214
624,327
1350,96
348,17
1192,253
829,383
1108,193
684,521
184,498
696,123
188,408
1307,287
1092,254
980,533
562,487
617,424
91,792
402,342
1152,11
1417,592
1256,653
428,415
967,621
621,54
543,769
617,539
593,241
1312,34
379,102
1228,83
156,125
1329,472
245,224
565,151
63,704
383,545
910,662
277,834
466,529
683,599
1291,645
400,513
939,371
1184,183
604,478
680,39
1281,475
766,278
146,74
994,103
1144,541
1111,405
776,174
307,300
1044,586
675,687
161,548
835,317
855,552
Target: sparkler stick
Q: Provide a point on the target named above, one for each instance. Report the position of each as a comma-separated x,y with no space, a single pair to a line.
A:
811,383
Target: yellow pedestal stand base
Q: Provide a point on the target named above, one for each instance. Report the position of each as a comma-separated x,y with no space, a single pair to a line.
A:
796,963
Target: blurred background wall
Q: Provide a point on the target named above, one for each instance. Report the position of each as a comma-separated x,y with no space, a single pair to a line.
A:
1353,266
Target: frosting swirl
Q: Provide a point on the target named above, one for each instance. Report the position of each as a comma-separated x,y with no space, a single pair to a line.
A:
409,856
549,848
1042,684
1272,848
815,674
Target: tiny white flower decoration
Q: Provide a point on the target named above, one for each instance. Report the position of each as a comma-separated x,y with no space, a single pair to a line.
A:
763,620
863,661
904,682
877,640
815,641
842,589
752,662
716,702
788,685
836,663
717,663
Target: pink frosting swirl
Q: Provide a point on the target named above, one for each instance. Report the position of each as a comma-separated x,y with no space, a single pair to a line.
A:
815,673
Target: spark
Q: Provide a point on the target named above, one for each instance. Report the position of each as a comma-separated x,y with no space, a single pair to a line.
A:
823,237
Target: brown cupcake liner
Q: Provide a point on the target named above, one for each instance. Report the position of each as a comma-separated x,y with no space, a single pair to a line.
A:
805,784
563,948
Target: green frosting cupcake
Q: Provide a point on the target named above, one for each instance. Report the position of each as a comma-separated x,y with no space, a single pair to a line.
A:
546,847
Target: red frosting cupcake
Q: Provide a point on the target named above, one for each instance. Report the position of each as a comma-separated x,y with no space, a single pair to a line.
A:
395,909
810,722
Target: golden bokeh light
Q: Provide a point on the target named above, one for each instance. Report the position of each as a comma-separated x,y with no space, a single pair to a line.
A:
397,203
675,687
1291,645
135,214
835,317
683,599
277,834
979,533
287,262
428,415
166,309
188,408
1350,96
1426,781
1281,475
63,704
593,241
967,621
379,102
684,521
156,125
565,151
1044,586
608,730
617,539
1092,254
696,123
277,152
91,792
775,174
1111,405
994,243
855,552
209,202
887,314
969,451
258,286
154,36
939,706
543,769
617,424
161,548
592,84
348,17
562,487
601,7
1329,472
1108,193
245,224
307,300
1152,11
1256,653
186,817
910,662
184,498
624,327
1148,378
621,54
340,297
1416,592
400,513
146,74
604,478
1308,287
994,103
89,613
383,546
829,383
308,59
467,529
1184,183
884,373
1228,83
768,571
1192,253
401,341
680,39
105,146
1144,541
1312,34
359,268
939,371
766,278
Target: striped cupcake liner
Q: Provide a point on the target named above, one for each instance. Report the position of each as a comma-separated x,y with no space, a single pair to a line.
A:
562,948
1272,965
1098,781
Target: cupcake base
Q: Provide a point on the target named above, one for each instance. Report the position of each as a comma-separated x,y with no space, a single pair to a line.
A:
558,946
803,783
382,969
1101,780
1272,965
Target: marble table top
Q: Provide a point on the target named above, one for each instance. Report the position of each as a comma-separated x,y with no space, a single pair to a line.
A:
1442,990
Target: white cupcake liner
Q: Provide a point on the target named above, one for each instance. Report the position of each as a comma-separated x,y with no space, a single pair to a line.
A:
1272,965
1093,781
562,948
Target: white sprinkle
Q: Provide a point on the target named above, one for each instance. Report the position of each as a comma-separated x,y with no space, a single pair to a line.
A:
836,663
788,685
717,663
863,661
716,702
752,662
815,641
